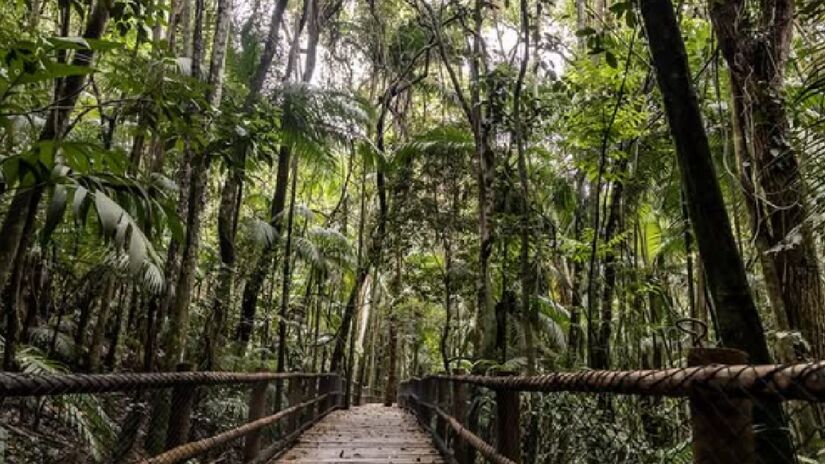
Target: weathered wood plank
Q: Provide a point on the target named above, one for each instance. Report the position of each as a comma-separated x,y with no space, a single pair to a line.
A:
364,435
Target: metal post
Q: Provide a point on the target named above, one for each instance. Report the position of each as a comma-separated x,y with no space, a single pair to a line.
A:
257,407
722,426
177,431
508,430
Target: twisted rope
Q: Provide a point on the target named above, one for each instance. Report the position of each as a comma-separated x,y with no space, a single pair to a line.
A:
12,384
486,450
196,448
773,382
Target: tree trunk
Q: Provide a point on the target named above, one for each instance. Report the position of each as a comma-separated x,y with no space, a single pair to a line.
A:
600,348
270,48
96,346
527,316
287,272
575,333
485,157
757,53
179,312
739,323
253,287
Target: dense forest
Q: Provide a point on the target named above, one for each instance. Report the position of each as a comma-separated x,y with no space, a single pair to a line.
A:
391,188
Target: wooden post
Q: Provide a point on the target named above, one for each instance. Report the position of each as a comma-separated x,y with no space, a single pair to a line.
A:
335,389
473,392
722,426
323,389
508,428
460,449
177,431
429,397
310,393
419,399
257,408
294,394
442,398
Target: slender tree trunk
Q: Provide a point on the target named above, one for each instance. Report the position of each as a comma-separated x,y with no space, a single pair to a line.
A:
270,48
96,345
179,312
390,389
600,349
739,323
575,333
526,278
253,287
286,282
186,27
485,157
230,195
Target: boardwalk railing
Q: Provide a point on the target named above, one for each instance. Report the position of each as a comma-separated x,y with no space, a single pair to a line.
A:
713,411
151,404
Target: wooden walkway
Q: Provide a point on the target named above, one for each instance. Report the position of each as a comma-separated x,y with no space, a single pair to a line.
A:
367,434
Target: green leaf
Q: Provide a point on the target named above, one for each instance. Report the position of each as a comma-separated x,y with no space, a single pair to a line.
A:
70,43
103,45
138,253
610,58
55,211
108,211
52,71
584,32
79,204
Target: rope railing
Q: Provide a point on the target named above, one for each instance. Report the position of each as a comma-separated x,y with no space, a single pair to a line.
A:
804,382
309,397
486,450
720,395
13,384
196,448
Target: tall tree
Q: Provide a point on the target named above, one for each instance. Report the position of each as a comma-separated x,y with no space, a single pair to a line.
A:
738,322
756,48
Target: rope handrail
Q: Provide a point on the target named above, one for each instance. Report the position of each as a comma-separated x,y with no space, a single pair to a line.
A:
195,448
772,382
14,384
486,450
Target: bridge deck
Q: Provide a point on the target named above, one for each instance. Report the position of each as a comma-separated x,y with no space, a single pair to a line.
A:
364,435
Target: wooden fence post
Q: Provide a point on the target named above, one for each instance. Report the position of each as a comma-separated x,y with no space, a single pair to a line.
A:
294,394
460,413
337,387
508,428
722,425
257,408
311,393
418,391
323,389
442,399
177,431
428,397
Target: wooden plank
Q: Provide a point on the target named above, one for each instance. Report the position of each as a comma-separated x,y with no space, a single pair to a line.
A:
367,434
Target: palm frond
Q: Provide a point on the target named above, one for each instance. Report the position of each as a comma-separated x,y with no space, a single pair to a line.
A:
313,118
440,142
